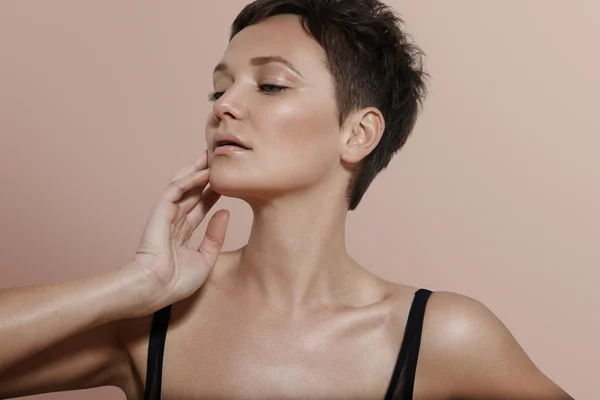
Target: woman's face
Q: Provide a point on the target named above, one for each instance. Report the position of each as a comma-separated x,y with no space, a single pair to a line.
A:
285,114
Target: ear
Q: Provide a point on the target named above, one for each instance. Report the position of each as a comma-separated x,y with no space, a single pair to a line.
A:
363,132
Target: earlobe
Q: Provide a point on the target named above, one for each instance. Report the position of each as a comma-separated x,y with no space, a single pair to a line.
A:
365,134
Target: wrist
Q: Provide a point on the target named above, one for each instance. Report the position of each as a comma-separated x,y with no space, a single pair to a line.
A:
129,292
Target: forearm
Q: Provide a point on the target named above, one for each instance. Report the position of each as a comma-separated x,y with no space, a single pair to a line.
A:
37,317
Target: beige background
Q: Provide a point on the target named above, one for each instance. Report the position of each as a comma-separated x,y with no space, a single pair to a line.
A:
496,195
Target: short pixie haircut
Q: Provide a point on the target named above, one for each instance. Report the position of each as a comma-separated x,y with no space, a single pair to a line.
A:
373,62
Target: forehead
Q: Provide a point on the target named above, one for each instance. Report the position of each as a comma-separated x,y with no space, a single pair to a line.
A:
282,36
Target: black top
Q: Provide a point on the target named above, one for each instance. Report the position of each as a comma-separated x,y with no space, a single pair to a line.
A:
401,384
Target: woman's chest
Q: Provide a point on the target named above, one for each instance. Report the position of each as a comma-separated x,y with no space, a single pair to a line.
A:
239,356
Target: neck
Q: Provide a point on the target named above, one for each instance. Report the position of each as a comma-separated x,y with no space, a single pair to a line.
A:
296,256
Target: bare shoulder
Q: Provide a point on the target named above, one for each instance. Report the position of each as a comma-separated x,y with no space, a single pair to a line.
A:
466,343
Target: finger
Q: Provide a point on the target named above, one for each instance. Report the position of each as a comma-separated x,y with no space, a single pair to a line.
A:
194,205
215,236
198,165
188,201
179,187
192,198
197,214
206,202
202,161
184,205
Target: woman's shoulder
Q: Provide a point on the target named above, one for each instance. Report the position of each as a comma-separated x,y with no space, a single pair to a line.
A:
448,315
446,312
463,328
457,327
471,349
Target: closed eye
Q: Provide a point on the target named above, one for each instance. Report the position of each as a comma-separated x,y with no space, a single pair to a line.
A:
271,89
265,89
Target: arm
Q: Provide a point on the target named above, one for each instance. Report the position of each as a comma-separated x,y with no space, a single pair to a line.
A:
480,358
61,336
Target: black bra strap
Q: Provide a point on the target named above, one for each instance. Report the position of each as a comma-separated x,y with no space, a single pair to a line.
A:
406,364
156,349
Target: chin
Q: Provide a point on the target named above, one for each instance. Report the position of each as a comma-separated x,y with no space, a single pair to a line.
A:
232,183
225,186
245,186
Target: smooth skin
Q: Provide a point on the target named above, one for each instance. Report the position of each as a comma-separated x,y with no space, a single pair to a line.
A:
289,315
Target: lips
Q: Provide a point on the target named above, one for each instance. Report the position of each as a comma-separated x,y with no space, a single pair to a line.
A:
222,139
221,143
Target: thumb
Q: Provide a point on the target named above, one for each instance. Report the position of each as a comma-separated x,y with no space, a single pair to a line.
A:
214,237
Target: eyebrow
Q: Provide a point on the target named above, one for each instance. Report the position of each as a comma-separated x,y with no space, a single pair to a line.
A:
257,61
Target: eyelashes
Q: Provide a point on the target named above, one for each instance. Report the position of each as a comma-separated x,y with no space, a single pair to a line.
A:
214,96
265,89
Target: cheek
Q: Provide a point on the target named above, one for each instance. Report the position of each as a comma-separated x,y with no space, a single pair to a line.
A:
302,145
299,126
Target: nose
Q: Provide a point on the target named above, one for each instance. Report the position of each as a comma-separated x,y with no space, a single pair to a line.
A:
229,106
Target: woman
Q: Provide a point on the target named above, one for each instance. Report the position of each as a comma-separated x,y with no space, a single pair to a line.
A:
304,118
